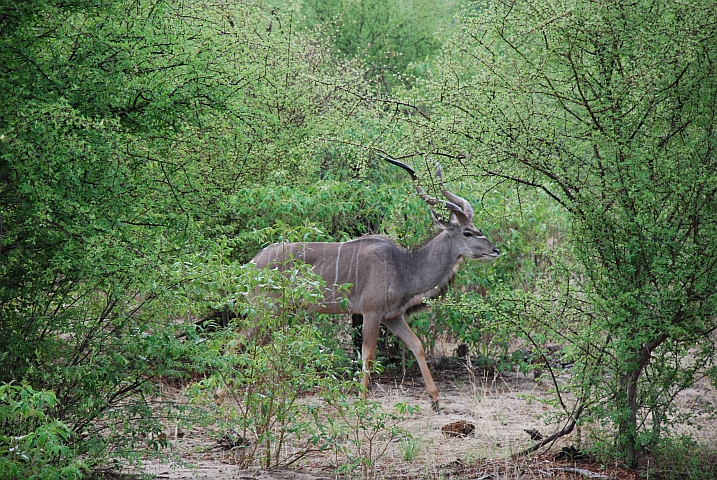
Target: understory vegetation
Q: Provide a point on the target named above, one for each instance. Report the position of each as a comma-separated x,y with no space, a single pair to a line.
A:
149,148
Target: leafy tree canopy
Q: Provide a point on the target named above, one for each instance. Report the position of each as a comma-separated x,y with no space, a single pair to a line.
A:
610,109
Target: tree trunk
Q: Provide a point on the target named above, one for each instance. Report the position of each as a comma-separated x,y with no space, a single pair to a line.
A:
627,426
629,433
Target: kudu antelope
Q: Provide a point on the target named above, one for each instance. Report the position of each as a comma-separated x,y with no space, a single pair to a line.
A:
386,280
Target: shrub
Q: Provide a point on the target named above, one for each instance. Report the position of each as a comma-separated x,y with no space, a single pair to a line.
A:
33,444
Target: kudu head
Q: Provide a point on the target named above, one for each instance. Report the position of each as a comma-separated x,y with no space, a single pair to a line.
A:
468,239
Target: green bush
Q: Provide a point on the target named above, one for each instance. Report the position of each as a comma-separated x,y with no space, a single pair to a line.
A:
681,458
271,387
256,393
361,432
390,37
125,130
263,365
33,444
608,110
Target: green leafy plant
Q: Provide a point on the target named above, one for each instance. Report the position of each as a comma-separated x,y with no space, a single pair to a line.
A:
261,395
410,448
33,444
266,362
362,431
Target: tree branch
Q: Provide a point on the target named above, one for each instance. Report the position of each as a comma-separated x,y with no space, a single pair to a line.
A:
565,431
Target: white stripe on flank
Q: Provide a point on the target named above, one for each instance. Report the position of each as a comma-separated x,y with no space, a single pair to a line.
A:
323,262
358,259
338,260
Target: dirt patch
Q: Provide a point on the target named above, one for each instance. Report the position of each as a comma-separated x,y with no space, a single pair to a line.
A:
504,409
216,470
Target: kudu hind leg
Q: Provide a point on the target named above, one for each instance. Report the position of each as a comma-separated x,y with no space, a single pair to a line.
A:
369,340
400,328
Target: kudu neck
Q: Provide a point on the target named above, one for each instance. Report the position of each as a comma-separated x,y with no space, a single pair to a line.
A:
434,263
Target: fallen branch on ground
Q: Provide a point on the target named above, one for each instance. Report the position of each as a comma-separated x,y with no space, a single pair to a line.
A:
582,471
565,431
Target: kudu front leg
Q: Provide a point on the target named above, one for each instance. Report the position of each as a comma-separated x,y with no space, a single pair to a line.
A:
400,328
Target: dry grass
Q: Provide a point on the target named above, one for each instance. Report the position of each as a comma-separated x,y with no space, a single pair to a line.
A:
501,407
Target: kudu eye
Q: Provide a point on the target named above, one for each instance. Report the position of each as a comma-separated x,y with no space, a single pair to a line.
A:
467,234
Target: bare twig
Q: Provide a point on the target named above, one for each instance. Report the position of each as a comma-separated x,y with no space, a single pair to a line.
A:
565,431
581,471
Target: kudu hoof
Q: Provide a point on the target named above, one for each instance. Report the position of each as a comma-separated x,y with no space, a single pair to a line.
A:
435,407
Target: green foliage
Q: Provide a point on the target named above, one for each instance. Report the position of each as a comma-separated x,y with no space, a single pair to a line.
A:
123,128
411,448
370,429
339,210
262,374
609,110
149,149
33,444
390,36
680,458
261,384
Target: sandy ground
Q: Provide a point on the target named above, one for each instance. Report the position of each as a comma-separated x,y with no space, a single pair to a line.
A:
501,407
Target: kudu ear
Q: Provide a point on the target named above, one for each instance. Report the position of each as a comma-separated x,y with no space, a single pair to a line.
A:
458,217
439,222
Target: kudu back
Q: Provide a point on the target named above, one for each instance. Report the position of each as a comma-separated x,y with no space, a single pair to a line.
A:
387,280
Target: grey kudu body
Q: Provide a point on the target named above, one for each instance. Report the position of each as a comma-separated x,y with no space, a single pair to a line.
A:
387,280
